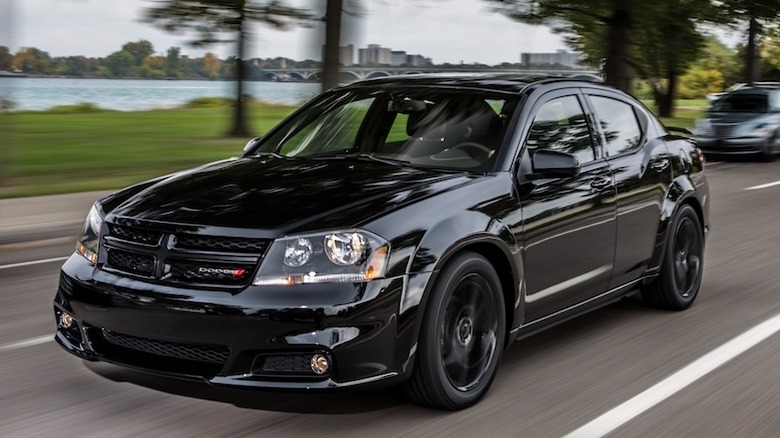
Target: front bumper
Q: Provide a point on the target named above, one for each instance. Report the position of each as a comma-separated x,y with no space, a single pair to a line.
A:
261,337
732,146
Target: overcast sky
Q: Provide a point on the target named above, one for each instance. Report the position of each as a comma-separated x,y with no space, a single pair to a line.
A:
445,30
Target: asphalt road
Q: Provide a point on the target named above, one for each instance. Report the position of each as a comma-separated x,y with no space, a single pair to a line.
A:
548,385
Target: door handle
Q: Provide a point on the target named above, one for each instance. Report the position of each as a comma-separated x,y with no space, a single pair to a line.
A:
660,165
601,183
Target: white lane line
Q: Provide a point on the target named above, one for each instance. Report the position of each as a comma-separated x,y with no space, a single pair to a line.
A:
34,262
664,389
26,343
763,186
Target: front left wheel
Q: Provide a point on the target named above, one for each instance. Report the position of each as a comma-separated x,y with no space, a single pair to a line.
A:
462,336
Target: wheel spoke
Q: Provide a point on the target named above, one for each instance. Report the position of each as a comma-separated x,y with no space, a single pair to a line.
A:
468,332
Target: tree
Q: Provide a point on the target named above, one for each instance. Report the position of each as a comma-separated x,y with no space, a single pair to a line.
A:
120,63
757,13
668,42
605,25
211,65
76,65
32,60
331,64
173,62
140,50
6,58
211,18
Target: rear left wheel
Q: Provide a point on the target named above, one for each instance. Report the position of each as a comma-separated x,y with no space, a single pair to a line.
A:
462,336
678,283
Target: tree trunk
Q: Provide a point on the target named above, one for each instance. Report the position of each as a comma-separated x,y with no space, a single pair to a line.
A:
616,67
331,62
750,73
239,128
666,101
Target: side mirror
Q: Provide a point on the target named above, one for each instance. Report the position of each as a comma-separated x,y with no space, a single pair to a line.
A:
554,164
251,143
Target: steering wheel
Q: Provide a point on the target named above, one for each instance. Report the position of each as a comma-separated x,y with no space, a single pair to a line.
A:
476,151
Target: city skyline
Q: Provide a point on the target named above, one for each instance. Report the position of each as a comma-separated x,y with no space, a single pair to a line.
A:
451,31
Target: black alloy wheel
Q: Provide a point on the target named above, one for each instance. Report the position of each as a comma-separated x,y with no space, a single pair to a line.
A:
462,336
677,285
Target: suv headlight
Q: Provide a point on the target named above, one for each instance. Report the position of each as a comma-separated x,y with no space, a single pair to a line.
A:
345,256
89,241
702,127
761,130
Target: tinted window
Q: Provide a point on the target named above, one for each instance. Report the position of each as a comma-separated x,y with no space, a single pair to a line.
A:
561,125
425,127
747,103
619,123
332,131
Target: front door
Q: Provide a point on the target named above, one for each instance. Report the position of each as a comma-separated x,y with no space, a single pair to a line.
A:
569,224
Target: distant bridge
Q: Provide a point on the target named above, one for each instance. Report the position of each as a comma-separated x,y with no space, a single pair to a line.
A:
351,74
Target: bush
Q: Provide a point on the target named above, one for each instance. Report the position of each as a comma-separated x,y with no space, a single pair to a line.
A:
209,102
79,108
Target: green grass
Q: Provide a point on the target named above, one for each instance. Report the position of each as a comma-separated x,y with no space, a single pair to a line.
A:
82,148
66,150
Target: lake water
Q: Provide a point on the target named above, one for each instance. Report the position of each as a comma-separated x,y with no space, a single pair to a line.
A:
135,94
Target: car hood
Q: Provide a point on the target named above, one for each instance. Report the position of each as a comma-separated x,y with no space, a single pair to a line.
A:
282,194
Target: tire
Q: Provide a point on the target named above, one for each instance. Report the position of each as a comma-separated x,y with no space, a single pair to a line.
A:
677,285
767,153
461,338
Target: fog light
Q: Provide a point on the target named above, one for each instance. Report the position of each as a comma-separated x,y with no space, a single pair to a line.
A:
66,321
319,364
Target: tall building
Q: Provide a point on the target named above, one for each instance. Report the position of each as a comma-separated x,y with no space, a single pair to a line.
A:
561,57
346,55
398,57
375,54
418,61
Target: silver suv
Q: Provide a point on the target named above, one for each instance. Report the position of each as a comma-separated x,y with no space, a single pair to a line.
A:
743,122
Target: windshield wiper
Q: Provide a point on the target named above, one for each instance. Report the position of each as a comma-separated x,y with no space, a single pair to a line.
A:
266,154
390,161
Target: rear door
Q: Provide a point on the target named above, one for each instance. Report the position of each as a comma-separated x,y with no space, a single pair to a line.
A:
641,166
569,223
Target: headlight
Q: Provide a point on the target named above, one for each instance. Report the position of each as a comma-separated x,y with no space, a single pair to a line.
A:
89,241
345,256
702,127
761,131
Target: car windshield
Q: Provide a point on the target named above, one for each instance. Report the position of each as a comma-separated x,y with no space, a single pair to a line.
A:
744,103
423,127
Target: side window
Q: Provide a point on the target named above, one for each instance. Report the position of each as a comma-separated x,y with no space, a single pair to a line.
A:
774,101
619,123
398,130
332,131
561,125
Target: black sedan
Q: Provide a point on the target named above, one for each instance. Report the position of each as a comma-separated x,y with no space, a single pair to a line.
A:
399,230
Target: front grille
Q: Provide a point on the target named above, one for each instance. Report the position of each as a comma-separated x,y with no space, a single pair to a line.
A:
723,131
212,354
208,273
133,262
135,235
170,256
229,244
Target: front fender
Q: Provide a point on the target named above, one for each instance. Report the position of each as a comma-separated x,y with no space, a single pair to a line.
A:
479,233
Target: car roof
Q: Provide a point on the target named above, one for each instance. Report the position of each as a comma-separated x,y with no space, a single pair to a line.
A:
756,89
491,81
